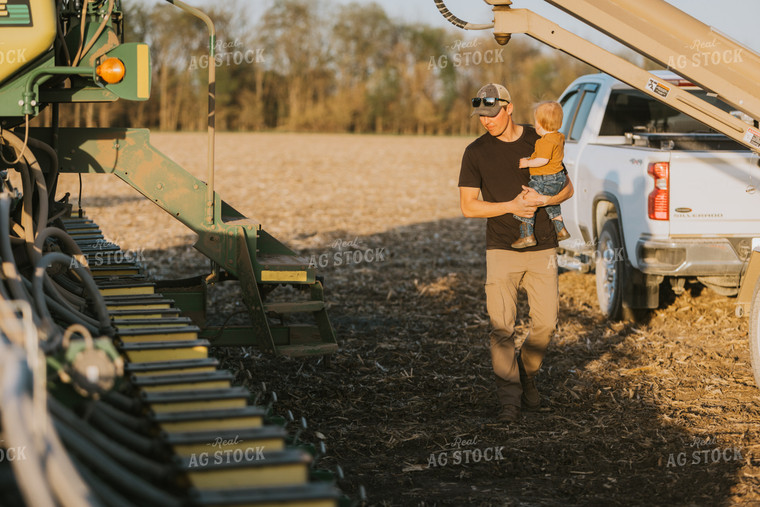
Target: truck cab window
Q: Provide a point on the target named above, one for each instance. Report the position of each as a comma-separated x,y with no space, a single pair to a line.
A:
575,107
569,105
589,96
635,111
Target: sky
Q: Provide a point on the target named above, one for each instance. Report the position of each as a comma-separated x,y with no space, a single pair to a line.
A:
735,18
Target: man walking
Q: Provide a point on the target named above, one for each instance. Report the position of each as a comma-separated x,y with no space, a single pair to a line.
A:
490,166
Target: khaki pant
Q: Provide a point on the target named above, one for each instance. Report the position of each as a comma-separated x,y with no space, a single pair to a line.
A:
538,273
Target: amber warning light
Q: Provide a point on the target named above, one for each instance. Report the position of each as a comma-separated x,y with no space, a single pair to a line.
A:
111,70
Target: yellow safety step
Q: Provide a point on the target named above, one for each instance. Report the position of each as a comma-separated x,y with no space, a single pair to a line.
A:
165,351
221,444
280,468
318,494
184,381
135,370
158,334
210,420
186,401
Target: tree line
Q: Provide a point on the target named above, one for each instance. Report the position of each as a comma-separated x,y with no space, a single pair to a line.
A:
316,66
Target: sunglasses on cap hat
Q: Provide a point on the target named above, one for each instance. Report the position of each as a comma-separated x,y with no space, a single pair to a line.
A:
487,101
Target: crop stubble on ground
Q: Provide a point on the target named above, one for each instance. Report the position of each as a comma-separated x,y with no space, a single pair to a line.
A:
633,413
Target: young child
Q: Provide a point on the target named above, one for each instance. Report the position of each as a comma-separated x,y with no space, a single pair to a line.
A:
546,174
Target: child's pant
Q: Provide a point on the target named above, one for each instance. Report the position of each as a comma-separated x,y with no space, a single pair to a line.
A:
549,184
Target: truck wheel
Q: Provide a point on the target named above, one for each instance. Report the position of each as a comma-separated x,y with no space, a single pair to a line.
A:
610,271
754,333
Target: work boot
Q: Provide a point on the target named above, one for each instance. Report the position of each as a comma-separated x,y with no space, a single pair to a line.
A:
530,398
526,237
509,414
562,233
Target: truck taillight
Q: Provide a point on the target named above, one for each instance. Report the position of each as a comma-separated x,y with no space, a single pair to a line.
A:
659,199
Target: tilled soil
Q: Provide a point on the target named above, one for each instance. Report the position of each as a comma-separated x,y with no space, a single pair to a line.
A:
663,411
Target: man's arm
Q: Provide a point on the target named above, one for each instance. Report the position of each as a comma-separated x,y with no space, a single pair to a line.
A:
550,200
472,207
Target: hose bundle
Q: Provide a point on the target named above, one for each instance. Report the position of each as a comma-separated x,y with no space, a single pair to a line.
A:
44,294
459,23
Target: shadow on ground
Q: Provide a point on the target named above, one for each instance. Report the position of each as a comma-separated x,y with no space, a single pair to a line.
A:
627,419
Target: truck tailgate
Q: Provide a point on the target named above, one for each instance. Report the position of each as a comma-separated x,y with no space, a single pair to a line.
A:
714,193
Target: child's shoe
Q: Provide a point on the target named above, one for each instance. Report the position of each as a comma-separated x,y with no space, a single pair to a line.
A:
526,237
562,233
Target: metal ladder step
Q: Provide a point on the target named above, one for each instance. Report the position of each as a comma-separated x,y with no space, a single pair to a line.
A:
301,306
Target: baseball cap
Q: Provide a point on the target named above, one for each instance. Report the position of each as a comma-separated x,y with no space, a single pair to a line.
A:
491,90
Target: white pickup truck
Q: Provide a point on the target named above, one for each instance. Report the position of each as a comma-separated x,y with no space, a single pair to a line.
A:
658,195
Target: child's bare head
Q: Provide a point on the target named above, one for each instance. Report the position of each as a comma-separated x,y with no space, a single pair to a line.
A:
549,116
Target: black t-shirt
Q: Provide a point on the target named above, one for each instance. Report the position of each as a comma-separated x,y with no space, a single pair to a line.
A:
493,166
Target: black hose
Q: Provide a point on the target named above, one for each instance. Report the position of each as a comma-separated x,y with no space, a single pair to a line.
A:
133,423
69,285
27,204
60,34
51,178
71,246
67,314
10,270
68,486
459,23
34,166
127,457
113,472
448,15
123,427
64,295
70,317
39,296
107,495
35,248
122,402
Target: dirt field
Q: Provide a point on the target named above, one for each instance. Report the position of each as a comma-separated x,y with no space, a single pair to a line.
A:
663,412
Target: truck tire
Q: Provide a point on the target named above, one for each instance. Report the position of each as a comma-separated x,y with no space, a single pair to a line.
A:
754,333
610,270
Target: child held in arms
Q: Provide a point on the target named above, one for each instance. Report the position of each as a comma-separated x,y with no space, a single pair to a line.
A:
547,175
